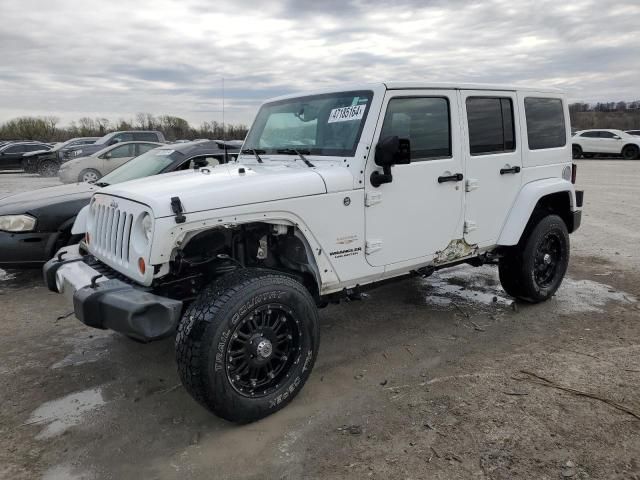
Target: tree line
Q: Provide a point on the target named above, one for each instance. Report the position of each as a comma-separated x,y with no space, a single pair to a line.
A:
48,129
617,115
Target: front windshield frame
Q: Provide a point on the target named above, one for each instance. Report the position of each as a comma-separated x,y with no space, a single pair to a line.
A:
256,132
171,157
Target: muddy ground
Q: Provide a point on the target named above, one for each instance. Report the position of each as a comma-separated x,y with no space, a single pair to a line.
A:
422,379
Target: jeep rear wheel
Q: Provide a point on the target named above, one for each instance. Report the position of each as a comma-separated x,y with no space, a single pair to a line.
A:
630,152
247,344
534,269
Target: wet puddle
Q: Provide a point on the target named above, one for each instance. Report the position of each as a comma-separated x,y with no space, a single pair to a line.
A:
481,288
60,414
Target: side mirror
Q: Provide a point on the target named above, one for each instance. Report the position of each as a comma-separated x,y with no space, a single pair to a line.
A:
390,151
616,137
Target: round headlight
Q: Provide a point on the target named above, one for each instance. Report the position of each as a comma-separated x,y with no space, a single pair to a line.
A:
17,223
147,226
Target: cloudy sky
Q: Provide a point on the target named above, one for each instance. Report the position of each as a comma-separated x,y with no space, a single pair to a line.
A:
114,58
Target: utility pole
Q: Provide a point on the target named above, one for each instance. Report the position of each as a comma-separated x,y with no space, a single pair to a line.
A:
224,133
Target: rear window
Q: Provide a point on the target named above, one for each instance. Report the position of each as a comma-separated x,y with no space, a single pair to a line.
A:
545,123
491,127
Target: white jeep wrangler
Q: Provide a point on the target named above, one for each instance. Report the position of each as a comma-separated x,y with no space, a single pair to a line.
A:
334,190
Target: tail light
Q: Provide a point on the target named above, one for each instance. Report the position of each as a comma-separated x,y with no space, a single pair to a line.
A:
574,172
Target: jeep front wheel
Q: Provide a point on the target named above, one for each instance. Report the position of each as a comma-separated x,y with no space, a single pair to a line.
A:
534,269
247,344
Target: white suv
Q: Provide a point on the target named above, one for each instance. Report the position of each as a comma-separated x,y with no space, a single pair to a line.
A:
334,191
587,143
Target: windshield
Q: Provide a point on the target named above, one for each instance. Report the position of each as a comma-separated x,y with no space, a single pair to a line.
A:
328,124
149,163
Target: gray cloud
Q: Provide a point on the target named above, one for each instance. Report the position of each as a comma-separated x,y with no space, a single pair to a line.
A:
73,59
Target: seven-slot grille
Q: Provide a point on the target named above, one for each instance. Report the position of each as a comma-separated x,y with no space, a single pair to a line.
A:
112,233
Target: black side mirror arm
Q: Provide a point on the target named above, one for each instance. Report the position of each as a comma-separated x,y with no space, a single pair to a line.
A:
378,178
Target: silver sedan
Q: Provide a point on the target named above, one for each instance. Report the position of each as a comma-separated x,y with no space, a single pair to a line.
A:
98,164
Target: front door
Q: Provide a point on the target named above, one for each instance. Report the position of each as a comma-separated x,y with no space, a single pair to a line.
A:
118,156
493,162
420,211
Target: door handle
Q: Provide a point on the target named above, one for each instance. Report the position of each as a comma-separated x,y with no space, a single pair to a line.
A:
456,177
515,169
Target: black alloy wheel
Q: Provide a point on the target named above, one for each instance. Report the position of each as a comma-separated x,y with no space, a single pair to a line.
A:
547,259
263,347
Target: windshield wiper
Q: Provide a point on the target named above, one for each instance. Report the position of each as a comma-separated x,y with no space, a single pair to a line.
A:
300,153
255,152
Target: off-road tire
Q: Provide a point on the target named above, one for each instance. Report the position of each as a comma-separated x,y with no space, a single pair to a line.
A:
48,168
630,152
576,152
523,269
94,175
207,330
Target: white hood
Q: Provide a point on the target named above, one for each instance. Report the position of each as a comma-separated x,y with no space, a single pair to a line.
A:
227,186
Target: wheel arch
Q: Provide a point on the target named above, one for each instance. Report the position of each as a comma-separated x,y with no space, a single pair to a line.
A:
543,196
297,257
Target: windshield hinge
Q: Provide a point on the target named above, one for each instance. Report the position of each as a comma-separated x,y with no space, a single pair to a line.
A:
176,206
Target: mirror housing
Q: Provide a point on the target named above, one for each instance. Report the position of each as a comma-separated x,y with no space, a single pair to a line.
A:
393,151
390,151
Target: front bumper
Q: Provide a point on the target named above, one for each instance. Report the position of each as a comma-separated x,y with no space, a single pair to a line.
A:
109,303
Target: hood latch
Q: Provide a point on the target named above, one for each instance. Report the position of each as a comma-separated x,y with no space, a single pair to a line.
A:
176,206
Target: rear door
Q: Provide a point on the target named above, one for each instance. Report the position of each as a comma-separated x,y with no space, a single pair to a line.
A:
590,141
493,162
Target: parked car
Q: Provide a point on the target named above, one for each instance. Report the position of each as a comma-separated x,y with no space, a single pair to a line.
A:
98,164
113,138
353,187
635,133
588,143
47,163
33,225
11,154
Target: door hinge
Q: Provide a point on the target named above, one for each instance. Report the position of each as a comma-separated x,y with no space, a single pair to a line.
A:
371,198
471,184
371,246
469,226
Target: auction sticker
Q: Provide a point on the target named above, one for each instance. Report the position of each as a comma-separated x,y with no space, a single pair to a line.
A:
346,114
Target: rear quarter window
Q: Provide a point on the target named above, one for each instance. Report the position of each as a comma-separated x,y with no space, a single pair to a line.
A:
545,123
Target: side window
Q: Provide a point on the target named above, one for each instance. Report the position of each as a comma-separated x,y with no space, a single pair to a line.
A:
545,123
122,151
590,135
491,127
425,121
121,137
144,147
15,149
607,135
145,136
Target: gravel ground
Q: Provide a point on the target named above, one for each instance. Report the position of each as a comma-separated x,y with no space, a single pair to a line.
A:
422,379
